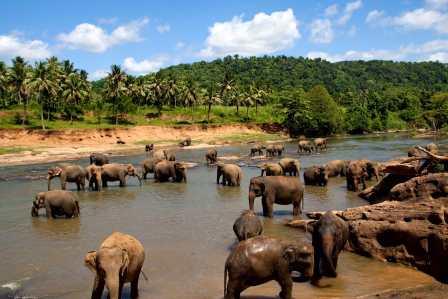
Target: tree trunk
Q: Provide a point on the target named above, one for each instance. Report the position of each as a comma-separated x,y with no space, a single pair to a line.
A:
256,108
237,109
24,110
42,115
208,112
247,111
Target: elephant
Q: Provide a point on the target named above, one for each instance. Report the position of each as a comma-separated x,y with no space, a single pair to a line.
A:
68,173
118,172
315,175
281,190
99,159
261,259
149,147
149,165
170,156
248,225
330,233
270,150
320,144
119,260
337,168
231,174
185,142
257,148
211,156
356,175
164,170
56,203
415,152
159,155
305,146
271,169
94,177
279,149
290,166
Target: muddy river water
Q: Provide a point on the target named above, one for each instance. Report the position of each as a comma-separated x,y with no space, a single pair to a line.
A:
186,230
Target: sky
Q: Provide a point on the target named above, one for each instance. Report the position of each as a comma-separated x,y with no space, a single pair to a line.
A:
144,36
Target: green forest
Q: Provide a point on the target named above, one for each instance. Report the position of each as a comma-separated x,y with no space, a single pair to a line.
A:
307,96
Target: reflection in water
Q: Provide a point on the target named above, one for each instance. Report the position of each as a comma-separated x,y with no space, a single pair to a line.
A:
186,229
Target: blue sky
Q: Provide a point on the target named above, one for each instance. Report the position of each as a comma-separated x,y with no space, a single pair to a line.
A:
143,36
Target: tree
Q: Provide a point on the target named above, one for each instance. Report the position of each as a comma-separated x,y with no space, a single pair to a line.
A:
115,88
190,94
18,78
171,92
437,115
325,111
296,106
211,98
3,85
74,91
158,93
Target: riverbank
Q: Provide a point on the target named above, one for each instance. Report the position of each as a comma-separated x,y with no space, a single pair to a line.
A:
21,146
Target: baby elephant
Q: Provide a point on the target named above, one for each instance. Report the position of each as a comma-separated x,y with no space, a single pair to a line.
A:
271,169
56,203
185,142
330,233
118,260
165,170
262,259
211,156
247,226
231,174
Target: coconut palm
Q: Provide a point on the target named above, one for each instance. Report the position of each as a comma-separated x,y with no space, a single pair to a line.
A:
211,98
190,94
18,79
226,86
74,91
115,88
171,92
3,84
158,92
248,101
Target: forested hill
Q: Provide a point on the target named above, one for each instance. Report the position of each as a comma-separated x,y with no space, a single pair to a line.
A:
283,73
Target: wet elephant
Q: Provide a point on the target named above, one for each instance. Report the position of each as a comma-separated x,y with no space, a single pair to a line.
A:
94,177
282,190
68,174
185,142
320,144
211,156
170,156
118,172
315,175
149,165
305,146
262,259
231,174
257,149
99,159
270,150
290,166
330,233
271,169
166,170
248,225
119,260
356,175
279,149
337,168
56,203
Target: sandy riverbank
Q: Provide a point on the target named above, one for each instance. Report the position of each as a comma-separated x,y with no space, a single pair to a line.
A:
38,146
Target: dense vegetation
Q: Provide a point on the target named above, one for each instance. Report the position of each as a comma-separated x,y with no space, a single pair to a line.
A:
310,97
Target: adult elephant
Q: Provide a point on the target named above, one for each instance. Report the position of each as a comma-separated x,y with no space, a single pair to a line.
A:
166,170
262,259
118,172
93,176
315,175
211,156
320,144
330,233
257,149
119,260
231,174
159,154
248,225
270,150
279,149
68,174
356,175
290,166
305,146
56,203
99,159
185,142
170,156
281,190
337,168
149,165
271,169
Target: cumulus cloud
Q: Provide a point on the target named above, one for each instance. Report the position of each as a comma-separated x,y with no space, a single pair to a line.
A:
143,66
331,10
163,28
263,34
92,38
422,18
321,31
358,55
349,9
98,74
107,21
13,45
437,4
439,56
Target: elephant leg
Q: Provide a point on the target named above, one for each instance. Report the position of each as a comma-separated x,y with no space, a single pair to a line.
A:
296,208
134,288
48,211
63,184
268,210
234,289
122,181
98,287
285,283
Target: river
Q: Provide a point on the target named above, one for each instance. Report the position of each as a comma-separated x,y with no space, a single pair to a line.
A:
186,229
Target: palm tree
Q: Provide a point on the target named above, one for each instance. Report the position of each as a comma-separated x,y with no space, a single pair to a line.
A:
211,98
225,86
74,91
171,92
259,96
115,87
43,86
190,94
235,98
3,84
158,92
247,101
17,77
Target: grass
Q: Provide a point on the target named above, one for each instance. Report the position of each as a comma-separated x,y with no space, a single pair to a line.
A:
13,149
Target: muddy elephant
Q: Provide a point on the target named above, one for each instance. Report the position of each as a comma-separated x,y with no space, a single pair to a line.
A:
356,175
290,166
282,190
279,149
119,260
257,149
315,175
118,172
271,169
149,165
93,176
185,142
211,156
305,146
231,174
337,168
68,174
320,144
170,156
262,259
330,233
166,170
270,150
56,203
99,159
248,225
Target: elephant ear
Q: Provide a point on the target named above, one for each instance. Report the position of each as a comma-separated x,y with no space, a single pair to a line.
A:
90,261
125,262
289,254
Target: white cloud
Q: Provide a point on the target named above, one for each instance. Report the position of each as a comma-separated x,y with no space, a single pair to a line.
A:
439,56
331,10
437,4
107,21
349,9
13,45
321,31
163,28
359,55
422,18
98,74
374,16
144,66
264,34
95,39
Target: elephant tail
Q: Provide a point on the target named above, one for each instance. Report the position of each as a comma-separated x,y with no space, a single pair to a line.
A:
225,280
144,276
77,208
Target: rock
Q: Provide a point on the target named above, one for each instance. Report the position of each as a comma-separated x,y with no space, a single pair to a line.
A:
431,185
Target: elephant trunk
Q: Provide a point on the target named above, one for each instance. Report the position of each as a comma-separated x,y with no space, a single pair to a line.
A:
218,176
327,248
139,178
251,200
34,212
49,182
113,285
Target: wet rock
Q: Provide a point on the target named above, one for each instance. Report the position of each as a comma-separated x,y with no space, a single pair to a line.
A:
431,185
